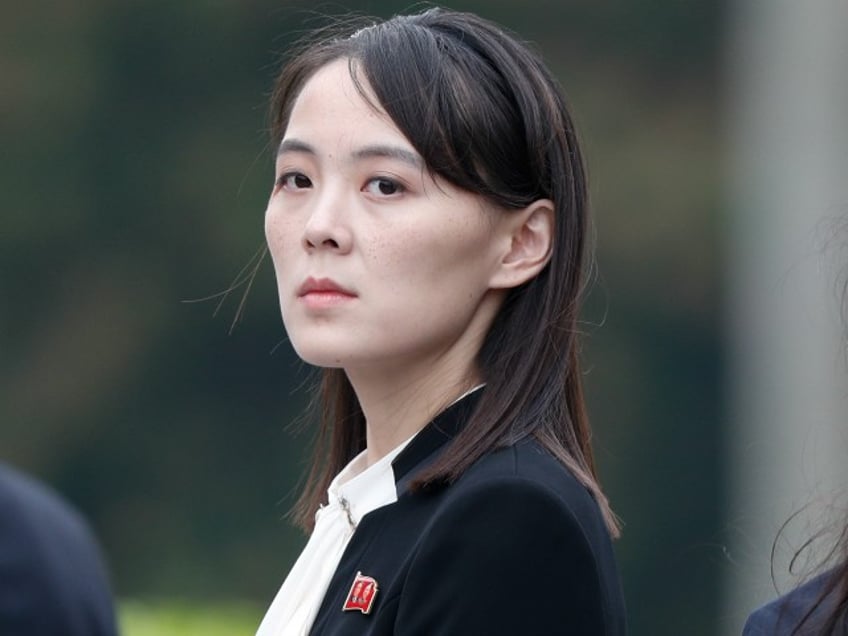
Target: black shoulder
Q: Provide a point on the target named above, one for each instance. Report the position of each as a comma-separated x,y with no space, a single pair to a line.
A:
534,468
523,546
51,569
29,505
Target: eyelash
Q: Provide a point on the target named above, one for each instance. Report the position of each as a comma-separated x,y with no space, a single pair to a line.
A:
288,181
379,181
286,176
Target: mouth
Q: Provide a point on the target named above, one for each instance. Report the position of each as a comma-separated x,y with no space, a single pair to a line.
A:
322,292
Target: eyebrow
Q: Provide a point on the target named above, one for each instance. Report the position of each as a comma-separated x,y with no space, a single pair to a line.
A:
389,152
365,152
295,145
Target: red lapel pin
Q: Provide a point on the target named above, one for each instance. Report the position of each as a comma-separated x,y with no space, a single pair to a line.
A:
361,595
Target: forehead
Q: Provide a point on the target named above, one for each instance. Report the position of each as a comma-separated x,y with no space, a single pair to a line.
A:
331,105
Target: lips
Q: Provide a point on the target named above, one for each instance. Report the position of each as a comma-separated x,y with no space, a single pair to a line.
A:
323,294
325,286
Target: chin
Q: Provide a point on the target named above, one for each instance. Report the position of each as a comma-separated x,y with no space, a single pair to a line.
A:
318,356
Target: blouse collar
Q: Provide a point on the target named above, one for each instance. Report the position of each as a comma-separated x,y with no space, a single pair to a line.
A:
358,488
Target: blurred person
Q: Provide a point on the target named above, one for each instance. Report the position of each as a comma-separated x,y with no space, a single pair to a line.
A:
428,227
818,607
52,578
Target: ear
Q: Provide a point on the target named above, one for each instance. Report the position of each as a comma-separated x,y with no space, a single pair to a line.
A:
530,242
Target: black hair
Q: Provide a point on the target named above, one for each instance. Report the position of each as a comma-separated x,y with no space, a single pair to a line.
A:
486,115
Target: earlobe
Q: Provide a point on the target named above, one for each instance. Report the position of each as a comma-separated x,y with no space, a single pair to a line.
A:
531,242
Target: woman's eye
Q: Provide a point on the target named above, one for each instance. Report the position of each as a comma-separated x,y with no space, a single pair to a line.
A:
294,181
384,187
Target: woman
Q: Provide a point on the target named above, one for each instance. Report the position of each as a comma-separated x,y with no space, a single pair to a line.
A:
427,226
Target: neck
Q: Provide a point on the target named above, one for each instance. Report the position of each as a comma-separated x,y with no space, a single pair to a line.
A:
400,396
398,404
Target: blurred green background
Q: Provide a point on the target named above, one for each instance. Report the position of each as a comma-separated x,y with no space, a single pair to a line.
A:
134,175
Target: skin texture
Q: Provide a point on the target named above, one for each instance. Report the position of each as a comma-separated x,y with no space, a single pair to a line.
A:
422,264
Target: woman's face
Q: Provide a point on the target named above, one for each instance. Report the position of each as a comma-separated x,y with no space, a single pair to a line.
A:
377,264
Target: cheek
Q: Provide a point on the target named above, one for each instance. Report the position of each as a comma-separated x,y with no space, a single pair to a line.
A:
443,254
270,228
273,223
279,235
429,270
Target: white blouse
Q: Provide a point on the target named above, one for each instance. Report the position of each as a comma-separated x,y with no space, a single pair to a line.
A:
356,491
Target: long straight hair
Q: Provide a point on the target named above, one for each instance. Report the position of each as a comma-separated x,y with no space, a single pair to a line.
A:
486,115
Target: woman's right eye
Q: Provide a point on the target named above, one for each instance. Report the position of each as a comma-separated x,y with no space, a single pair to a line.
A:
293,181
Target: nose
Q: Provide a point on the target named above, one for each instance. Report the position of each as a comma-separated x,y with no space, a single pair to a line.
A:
327,225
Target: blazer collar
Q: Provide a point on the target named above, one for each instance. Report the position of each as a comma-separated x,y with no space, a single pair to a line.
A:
424,447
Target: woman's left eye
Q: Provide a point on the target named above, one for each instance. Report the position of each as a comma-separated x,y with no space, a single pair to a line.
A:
384,187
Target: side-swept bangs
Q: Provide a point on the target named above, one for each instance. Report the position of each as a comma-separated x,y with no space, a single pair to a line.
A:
462,98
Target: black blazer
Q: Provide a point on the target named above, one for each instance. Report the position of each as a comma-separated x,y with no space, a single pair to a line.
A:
52,580
515,547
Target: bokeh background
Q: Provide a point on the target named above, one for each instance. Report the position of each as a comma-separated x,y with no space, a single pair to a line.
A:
133,177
